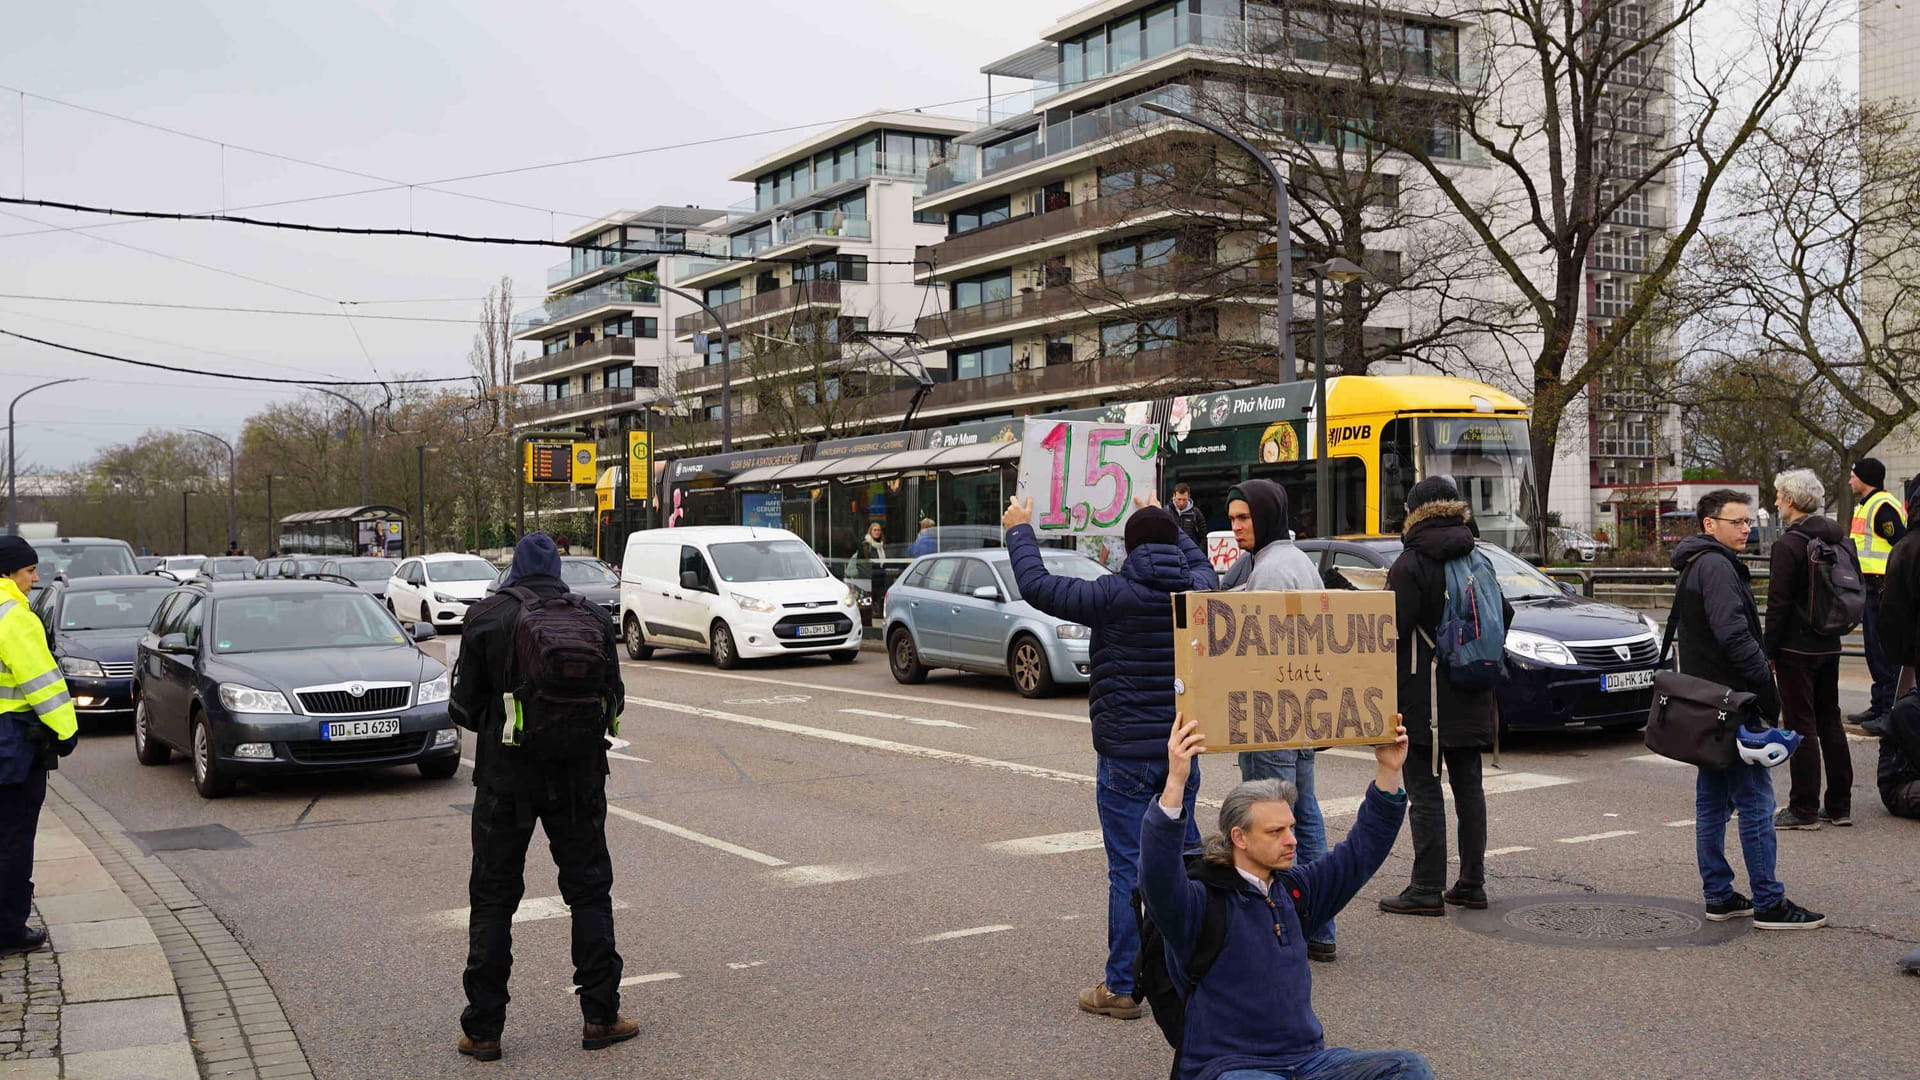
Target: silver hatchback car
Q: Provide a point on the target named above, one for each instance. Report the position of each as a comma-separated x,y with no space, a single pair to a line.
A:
963,610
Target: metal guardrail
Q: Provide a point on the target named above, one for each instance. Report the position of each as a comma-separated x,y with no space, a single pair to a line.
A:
1662,581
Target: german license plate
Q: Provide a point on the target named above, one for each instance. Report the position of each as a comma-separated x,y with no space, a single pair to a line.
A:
343,730
818,630
1626,680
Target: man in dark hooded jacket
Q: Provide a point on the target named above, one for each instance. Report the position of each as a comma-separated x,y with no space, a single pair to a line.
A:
1129,699
1806,663
1437,531
569,799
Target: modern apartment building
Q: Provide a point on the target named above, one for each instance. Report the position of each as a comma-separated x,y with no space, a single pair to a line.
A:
1890,75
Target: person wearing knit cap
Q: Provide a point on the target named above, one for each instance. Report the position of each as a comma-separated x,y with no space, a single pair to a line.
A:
1130,699
1879,522
37,727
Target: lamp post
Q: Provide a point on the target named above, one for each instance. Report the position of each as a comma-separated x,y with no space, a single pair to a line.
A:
366,435
183,518
233,513
726,367
1340,272
13,517
1282,235
420,454
273,540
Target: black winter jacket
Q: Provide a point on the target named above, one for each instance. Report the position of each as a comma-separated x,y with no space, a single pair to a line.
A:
1192,522
1435,535
1789,584
1898,624
1717,627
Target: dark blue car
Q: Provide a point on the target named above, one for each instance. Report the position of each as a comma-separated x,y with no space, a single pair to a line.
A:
1572,663
93,625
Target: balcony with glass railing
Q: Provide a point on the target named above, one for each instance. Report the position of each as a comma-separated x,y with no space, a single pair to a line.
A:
640,293
589,260
593,401
569,360
761,305
793,228
1094,295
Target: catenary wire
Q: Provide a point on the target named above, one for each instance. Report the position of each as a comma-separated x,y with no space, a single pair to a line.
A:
181,370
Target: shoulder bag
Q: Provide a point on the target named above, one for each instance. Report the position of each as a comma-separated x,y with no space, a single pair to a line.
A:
1692,719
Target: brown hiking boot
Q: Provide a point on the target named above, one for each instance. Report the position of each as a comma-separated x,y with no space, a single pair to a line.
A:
480,1049
601,1036
1100,1001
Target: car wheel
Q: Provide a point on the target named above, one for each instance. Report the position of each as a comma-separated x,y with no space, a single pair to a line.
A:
1031,670
903,659
440,768
390,610
844,656
147,749
637,647
208,778
726,656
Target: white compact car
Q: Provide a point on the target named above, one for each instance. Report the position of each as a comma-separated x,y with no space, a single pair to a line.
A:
735,592
437,588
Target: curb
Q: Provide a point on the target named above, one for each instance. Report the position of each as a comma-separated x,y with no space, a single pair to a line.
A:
235,1024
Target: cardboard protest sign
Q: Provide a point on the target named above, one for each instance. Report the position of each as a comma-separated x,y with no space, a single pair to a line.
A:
1286,670
1083,475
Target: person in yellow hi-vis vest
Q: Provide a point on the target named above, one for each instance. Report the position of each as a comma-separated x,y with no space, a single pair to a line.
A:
1879,521
37,728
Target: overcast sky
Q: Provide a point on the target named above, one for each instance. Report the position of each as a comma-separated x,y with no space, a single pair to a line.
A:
411,91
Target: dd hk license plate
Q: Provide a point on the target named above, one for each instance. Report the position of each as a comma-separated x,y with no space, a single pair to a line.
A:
343,730
1626,680
817,630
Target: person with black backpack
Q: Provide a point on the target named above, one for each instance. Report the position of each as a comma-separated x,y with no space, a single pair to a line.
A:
1815,597
1224,950
538,682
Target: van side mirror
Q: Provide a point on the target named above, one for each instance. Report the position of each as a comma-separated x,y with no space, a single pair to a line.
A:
690,580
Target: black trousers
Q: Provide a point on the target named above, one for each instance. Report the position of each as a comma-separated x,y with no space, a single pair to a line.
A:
574,816
1810,705
19,820
1903,733
1427,815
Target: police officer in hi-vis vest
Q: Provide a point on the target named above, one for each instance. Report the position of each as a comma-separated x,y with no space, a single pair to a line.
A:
37,728
1879,521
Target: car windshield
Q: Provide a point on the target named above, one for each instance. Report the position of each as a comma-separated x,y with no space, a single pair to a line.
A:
1518,579
1064,564
247,624
240,564
367,569
766,560
187,562
110,609
85,560
461,570
575,572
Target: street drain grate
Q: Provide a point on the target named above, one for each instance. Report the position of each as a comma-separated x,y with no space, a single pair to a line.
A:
1591,920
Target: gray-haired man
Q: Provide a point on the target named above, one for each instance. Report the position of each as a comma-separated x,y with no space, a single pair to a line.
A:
1806,663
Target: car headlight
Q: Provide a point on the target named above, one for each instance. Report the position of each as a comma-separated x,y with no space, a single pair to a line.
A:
443,598
245,699
1534,647
852,597
752,603
80,665
1653,627
1072,632
435,690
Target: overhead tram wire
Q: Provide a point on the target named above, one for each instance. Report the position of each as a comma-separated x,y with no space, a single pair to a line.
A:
109,302
181,370
199,350
179,259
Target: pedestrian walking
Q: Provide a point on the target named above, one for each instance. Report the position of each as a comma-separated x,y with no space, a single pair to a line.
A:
1805,658
1717,629
537,649
1257,512
1130,699
1191,519
37,728
1879,522
1458,721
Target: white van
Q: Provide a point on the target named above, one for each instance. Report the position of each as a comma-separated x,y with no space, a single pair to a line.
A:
735,592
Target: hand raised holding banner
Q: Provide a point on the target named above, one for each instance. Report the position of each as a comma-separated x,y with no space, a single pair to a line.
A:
1017,513
1185,743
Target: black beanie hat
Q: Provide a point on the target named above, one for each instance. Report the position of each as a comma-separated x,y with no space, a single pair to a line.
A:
1871,471
1152,525
16,555
1432,489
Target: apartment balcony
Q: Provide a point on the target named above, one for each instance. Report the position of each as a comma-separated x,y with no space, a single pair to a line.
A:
638,254
569,360
1086,298
706,379
1035,229
591,403
761,306
1615,263
1637,217
559,309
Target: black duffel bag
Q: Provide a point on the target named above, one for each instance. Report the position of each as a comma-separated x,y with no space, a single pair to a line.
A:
1692,719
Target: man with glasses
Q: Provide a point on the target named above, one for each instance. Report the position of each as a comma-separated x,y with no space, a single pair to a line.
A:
1719,637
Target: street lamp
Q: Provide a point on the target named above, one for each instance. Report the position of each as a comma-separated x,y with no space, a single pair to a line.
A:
273,534
233,516
1341,272
13,517
183,519
1282,235
726,367
366,435
420,453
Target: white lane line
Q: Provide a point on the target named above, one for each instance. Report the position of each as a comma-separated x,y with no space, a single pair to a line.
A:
1501,783
821,875
1596,836
615,744
850,739
1683,823
743,967
532,909
1508,850
699,838
468,762
1053,844
951,935
627,757
1656,759
911,699
636,980
908,719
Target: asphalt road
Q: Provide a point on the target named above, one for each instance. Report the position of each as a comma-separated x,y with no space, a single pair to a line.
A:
825,874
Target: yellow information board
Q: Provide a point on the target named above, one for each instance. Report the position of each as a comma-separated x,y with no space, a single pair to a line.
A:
559,463
639,465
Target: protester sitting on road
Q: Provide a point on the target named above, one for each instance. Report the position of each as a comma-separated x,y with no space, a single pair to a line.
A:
1718,634
1899,773
1129,698
1806,663
1250,1017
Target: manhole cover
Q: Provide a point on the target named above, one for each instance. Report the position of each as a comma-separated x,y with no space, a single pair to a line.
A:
1602,921
1592,920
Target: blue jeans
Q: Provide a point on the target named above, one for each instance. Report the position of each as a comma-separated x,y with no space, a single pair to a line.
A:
1125,790
1309,828
1717,794
1338,1064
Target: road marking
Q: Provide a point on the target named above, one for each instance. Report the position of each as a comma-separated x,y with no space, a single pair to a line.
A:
636,980
1053,844
1656,759
928,752
468,762
783,699
743,967
910,699
1596,836
615,744
1500,783
1508,850
822,875
908,719
969,932
532,909
699,838
1683,823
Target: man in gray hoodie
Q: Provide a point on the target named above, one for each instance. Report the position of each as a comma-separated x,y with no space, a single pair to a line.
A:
1271,562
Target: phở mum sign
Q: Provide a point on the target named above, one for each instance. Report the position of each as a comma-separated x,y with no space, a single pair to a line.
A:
1286,670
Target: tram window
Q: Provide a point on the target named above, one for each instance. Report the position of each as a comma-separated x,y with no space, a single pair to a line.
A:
1348,479
1209,489
1396,474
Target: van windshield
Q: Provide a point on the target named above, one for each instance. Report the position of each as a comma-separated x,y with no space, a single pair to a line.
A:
766,560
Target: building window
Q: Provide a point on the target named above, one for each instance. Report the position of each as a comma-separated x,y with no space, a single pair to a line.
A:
1127,338
995,359
984,289
647,327
619,326
980,215
617,376
1056,272
553,345
1130,255
555,390
832,268
724,293
647,376
1059,349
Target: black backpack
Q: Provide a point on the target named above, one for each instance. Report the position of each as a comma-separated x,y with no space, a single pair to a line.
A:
1836,593
563,667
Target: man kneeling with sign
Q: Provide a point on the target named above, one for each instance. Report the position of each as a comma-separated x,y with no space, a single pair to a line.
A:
1235,956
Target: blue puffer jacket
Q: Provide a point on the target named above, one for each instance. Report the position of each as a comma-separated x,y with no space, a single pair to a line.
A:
1130,690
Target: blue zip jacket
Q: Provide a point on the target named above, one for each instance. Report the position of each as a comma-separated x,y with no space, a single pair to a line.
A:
1254,1009
1130,656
